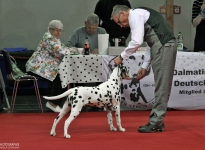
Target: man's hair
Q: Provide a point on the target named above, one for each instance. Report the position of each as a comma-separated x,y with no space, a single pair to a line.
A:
117,9
92,19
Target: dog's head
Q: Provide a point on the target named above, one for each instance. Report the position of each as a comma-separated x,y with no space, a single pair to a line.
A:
124,72
121,72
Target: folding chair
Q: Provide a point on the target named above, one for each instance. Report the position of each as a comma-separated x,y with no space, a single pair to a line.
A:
16,75
3,88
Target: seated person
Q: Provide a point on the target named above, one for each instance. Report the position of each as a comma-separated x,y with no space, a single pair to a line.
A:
90,30
45,61
103,9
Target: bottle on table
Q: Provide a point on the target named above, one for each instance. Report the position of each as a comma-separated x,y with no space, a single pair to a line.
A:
180,42
86,47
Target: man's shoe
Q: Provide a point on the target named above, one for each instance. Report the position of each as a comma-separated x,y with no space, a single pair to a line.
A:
57,109
151,128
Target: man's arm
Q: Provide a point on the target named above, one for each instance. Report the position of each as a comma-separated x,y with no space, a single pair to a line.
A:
145,65
147,59
72,40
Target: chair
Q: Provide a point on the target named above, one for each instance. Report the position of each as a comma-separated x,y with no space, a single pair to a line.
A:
2,85
16,75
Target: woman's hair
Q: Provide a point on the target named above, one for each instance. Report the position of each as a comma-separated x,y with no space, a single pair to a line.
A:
92,19
117,9
55,24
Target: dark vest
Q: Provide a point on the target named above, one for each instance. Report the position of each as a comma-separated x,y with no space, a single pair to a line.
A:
157,30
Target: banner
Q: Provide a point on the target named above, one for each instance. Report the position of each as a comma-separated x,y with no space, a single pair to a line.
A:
188,88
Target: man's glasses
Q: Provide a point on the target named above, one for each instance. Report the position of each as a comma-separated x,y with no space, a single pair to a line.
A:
119,22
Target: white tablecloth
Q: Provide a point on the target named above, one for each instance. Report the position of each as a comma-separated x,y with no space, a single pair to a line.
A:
188,89
80,69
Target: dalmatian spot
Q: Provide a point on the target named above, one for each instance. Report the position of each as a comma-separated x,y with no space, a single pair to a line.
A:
89,98
74,106
107,86
79,96
96,92
76,101
76,93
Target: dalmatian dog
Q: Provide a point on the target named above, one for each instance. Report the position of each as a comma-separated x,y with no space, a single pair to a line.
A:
107,94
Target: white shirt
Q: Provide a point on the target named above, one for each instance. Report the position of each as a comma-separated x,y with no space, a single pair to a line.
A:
137,18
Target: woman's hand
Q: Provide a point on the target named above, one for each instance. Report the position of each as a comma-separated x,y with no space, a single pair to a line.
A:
202,6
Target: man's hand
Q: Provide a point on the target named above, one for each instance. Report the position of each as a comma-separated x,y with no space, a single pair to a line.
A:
95,51
118,60
141,73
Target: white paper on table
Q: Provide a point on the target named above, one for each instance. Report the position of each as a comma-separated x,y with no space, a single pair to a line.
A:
103,40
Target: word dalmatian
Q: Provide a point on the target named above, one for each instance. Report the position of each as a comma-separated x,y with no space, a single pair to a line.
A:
107,94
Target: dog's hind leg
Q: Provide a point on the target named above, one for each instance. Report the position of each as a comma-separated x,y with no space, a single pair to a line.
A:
65,109
73,114
110,120
118,119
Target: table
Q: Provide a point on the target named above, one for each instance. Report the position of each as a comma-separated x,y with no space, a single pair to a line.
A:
80,69
188,89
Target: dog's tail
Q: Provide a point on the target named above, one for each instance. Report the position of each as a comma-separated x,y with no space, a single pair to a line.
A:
68,92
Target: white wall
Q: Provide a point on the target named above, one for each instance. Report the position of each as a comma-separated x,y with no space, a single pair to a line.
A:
23,22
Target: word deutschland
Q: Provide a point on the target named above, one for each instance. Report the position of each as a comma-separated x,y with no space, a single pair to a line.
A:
189,83
189,72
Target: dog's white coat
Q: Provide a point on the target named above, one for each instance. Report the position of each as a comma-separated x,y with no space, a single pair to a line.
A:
107,94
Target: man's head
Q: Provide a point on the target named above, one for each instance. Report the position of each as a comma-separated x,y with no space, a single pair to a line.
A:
120,15
55,28
91,23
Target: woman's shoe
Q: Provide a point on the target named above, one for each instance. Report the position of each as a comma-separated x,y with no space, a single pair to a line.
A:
57,109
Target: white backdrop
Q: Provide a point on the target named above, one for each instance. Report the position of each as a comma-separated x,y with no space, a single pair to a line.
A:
188,88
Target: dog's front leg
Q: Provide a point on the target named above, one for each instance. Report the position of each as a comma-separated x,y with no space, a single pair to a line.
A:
118,119
110,120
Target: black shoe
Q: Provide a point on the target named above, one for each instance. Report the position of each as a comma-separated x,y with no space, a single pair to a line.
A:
151,128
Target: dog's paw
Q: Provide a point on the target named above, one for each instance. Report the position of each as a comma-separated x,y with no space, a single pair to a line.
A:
53,133
67,136
122,129
112,128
